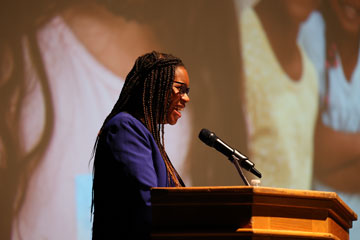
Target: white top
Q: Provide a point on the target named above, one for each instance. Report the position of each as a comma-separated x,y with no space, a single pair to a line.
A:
344,96
281,112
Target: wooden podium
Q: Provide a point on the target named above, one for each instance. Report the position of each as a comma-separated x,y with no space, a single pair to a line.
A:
248,213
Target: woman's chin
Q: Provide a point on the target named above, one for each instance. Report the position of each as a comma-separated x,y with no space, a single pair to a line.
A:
172,121
173,117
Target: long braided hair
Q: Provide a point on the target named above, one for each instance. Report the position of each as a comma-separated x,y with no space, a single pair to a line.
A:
146,95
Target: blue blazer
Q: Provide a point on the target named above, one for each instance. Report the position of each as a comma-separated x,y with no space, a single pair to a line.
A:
127,164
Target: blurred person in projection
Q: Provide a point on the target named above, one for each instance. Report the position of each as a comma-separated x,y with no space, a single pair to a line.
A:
62,66
331,37
281,91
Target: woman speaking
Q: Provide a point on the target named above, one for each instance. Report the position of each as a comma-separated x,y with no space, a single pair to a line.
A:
130,156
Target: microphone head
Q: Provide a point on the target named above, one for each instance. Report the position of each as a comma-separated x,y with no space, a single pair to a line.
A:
207,137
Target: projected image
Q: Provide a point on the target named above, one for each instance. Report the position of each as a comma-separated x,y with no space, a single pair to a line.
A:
278,80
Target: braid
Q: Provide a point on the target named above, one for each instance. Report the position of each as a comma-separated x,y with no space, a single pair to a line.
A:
146,94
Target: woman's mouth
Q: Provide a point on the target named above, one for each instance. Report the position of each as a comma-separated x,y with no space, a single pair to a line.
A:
178,110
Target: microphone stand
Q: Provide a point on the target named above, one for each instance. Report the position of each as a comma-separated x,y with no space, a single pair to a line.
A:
236,161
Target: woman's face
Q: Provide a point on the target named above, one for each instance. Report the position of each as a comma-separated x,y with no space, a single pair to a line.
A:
348,14
179,95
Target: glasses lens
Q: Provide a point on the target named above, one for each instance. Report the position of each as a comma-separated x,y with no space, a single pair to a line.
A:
183,88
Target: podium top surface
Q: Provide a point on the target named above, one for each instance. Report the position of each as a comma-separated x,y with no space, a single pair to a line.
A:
253,195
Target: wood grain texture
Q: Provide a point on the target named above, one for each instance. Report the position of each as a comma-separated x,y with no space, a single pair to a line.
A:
249,213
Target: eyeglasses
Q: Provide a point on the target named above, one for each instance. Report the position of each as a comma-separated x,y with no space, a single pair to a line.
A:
183,88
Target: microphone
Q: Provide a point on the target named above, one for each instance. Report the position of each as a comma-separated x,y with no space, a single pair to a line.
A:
210,139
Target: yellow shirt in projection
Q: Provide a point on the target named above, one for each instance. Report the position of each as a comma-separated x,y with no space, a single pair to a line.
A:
281,113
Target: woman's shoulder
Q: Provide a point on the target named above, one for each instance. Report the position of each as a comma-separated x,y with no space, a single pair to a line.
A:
123,119
126,121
